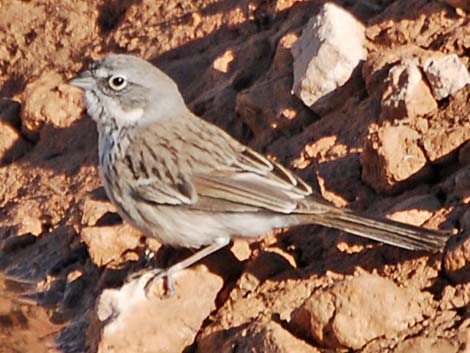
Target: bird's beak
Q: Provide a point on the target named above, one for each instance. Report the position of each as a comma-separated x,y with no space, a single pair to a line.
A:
83,80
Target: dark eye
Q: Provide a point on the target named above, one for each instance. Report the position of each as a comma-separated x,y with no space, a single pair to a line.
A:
117,82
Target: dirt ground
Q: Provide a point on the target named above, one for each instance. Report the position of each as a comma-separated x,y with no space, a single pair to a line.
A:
64,250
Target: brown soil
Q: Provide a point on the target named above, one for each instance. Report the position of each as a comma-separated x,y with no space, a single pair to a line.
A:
62,246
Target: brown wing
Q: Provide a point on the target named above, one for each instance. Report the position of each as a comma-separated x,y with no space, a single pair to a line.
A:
209,170
254,181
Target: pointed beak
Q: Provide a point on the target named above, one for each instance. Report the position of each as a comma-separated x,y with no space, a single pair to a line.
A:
83,80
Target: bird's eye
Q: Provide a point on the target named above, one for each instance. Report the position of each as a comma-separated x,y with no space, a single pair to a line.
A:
117,82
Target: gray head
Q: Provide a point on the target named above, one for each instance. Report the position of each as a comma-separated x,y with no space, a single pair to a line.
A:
125,90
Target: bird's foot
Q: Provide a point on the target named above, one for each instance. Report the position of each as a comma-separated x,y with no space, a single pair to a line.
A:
148,258
157,274
150,276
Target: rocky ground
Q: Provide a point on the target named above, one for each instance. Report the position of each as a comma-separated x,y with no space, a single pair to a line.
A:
388,142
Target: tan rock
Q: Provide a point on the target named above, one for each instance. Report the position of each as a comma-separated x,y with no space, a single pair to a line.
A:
356,311
132,322
406,94
428,345
445,137
12,144
241,249
259,336
93,210
31,225
109,244
392,155
415,210
456,260
49,100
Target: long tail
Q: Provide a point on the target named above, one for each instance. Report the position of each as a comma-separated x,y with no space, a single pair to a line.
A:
383,230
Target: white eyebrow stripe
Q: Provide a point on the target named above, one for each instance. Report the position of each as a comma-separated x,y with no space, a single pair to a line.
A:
101,72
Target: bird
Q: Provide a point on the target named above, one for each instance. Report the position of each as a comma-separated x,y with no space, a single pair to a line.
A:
188,183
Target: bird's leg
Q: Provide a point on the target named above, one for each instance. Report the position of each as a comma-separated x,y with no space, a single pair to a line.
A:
170,271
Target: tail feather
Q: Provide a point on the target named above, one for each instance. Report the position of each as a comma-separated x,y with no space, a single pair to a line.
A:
383,230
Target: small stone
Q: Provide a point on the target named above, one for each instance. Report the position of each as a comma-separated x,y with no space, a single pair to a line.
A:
392,156
222,63
50,101
12,144
109,244
441,141
415,210
326,54
241,249
406,94
457,256
446,75
345,317
93,210
30,225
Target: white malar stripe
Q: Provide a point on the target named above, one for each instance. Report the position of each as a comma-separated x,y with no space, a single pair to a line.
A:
125,117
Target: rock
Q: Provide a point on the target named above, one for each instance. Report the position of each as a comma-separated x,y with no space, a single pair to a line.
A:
415,210
326,54
356,311
406,94
456,260
132,322
259,336
241,249
447,133
446,75
110,244
30,225
392,156
93,210
378,64
222,63
428,345
448,129
49,100
12,144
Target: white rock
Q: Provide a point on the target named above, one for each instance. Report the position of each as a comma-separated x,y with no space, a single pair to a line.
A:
327,52
406,93
131,321
446,75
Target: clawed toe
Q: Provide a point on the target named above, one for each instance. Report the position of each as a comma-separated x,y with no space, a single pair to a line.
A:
169,284
152,275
